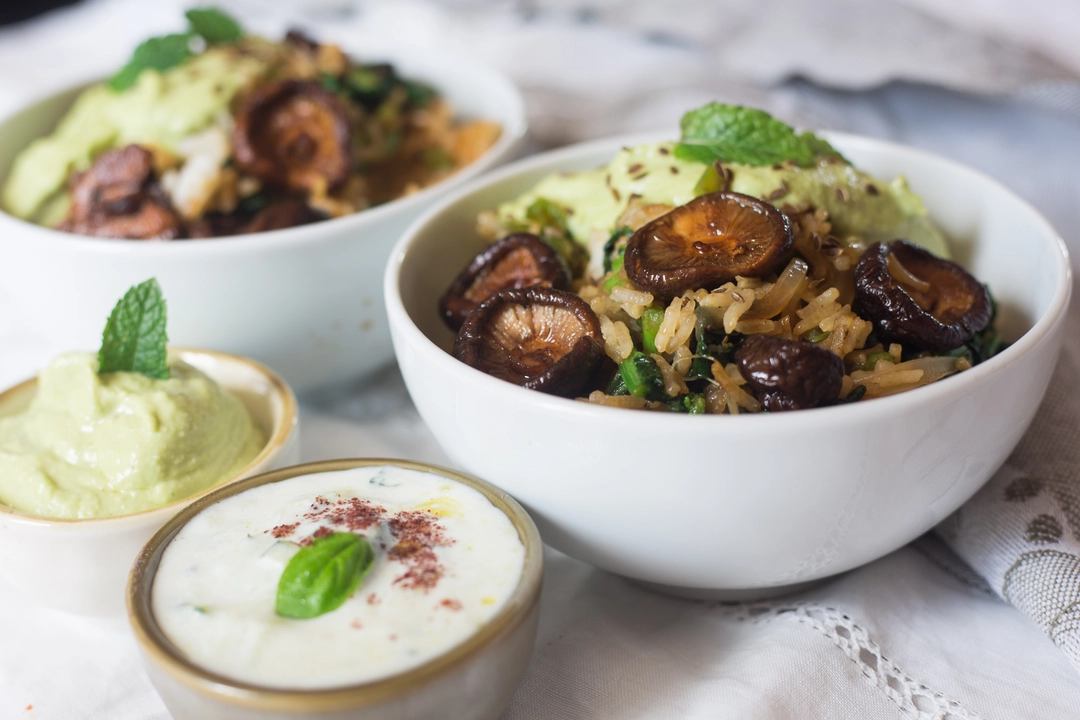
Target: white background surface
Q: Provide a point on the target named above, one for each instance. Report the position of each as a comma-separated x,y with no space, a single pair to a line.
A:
914,635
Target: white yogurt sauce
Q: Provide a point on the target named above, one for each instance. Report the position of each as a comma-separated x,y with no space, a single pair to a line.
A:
215,588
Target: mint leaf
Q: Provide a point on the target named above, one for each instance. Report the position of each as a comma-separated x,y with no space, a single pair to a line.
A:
160,53
214,25
323,575
134,338
737,134
820,147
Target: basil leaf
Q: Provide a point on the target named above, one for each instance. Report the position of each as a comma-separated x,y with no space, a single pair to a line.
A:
747,136
323,575
214,25
134,339
160,53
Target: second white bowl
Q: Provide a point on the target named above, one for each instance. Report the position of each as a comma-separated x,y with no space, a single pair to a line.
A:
730,505
307,301
81,566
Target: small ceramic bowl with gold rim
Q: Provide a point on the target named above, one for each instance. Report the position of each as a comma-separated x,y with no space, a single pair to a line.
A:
92,465
343,589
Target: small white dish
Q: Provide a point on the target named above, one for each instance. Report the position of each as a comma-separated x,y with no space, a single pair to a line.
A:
307,301
731,506
81,566
473,680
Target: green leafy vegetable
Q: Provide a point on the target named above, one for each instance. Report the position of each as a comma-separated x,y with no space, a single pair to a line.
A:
618,278
134,339
693,404
747,136
986,344
370,85
418,94
548,215
214,25
323,575
855,395
650,324
160,53
616,386
615,247
554,231
642,377
437,158
872,359
701,366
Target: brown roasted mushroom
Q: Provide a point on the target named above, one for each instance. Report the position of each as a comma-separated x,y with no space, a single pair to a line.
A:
916,298
707,242
118,198
789,374
539,338
516,261
294,134
302,40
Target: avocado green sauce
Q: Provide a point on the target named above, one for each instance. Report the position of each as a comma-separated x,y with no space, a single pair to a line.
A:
91,446
859,206
159,110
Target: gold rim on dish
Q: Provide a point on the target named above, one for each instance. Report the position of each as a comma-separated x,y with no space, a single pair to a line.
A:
278,435
163,653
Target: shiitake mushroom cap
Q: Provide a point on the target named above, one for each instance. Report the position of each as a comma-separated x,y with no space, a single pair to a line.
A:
708,242
292,134
516,261
789,374
118,197
916,298
536,337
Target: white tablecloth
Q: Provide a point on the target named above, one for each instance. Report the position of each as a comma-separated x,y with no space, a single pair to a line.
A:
915,635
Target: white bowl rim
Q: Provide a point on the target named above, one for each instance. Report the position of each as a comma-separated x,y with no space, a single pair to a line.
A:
853,412
278,437
512,133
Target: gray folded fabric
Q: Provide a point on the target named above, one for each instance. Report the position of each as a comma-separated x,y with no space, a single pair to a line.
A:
1021,532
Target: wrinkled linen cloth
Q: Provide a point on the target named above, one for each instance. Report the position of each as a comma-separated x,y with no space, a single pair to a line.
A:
977,620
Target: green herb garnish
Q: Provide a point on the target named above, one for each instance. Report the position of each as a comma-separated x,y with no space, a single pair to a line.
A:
160,53
732,133
815,335
213,25
168,51
134,338
322,576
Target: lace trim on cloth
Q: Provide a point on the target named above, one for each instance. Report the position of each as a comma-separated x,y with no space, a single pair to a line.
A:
910,695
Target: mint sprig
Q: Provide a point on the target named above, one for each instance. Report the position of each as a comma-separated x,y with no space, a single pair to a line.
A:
158,53
134,339
747,136
213,25
322,576
168,51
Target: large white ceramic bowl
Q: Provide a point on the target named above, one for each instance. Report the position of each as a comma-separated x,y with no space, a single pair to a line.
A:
307,301
730,505
81,566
